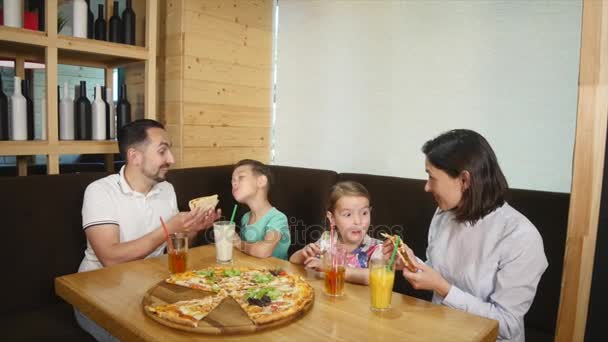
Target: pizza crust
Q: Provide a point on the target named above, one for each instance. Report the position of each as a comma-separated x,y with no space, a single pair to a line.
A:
205,203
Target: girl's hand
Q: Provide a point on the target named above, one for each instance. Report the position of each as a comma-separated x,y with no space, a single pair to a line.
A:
310,251
313,263
426,278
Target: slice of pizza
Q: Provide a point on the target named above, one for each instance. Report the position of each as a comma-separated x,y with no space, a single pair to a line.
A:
205,280
188,312
205,203
401,252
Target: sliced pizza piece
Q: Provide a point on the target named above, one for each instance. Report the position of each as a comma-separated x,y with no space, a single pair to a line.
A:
205,280
188,312
401,252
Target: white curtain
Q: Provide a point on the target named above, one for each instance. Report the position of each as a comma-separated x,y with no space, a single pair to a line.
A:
361,85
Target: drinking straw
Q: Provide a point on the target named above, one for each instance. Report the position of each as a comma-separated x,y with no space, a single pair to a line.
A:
332,246
390,263
169,243
233,213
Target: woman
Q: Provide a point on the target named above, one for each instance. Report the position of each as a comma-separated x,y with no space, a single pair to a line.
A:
483,256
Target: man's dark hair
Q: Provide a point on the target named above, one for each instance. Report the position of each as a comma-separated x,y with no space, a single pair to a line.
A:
461,150
134,133
258,168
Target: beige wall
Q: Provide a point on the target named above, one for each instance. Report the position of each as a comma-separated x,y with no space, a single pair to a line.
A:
215,78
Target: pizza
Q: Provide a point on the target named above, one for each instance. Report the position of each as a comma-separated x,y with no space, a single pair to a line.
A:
401,252
205,203
265,295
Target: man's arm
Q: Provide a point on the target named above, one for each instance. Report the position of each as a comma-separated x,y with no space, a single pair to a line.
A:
105,238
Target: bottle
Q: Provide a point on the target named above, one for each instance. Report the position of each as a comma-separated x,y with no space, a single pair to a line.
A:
79,20
123,108
128,23
25,87
99,116
66,115
90,21
115,25
82,114
3,114
112,114
41,15
42,133
18,116
107,118
100,24
13,13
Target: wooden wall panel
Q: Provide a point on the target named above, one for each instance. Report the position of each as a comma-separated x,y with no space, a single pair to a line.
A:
225,93
223,136
235,52
223,115
216,81
205,69
201,156
252,13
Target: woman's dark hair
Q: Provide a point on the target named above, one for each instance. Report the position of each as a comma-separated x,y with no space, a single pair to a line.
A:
461,150
258,168
134,133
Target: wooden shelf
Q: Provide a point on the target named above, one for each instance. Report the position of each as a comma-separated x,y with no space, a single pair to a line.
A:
38,147
53,49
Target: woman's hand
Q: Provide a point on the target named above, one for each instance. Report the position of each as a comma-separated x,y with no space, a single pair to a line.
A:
426,278
313,263
387,252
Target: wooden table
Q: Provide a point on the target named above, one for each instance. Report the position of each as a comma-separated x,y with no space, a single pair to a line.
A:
112,297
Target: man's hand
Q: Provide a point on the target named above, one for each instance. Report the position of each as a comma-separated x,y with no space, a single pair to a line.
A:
193,221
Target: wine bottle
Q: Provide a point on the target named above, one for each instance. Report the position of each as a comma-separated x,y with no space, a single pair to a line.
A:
18,118
3,113
13,13
100,24
99,115
79,20
128,23
123,108
112,115
66,115
115,25
82,114
107,118
25,88
90,21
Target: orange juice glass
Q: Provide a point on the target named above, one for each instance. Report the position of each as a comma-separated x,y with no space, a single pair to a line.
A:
381,279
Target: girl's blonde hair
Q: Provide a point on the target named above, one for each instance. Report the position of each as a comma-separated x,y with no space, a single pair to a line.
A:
345,188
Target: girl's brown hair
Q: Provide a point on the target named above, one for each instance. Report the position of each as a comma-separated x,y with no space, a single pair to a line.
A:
345,188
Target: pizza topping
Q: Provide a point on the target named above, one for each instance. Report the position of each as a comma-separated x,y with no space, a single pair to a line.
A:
231,272
278,272
264,301
262,278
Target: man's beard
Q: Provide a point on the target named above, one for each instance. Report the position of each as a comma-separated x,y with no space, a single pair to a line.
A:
157,176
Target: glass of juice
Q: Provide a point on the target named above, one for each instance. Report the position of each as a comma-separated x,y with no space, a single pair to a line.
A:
334,267
178,257
381,279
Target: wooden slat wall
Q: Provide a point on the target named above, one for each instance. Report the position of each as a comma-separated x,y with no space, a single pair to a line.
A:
216,84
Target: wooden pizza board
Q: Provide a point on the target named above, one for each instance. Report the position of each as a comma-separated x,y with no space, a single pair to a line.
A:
227,318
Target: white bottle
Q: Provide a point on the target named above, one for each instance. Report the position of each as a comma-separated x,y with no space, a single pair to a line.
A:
42,134
98,109
79,19
66,115
18,116
112,123
13,13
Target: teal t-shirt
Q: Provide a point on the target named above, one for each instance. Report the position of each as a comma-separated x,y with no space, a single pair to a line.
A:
273,220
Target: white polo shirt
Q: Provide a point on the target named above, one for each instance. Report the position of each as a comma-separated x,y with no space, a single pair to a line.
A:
111,200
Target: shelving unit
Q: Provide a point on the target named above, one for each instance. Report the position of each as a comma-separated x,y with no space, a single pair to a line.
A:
54,49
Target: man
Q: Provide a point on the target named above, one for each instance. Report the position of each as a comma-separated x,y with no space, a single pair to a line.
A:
121,212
